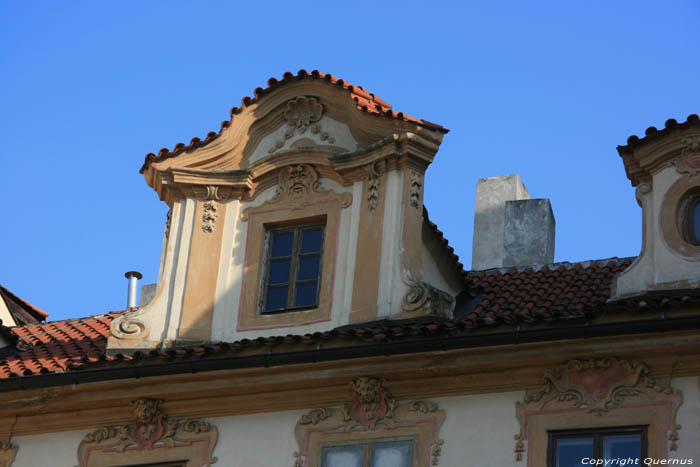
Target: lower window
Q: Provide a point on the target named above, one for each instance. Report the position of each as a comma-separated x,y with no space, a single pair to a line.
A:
375,454
574,447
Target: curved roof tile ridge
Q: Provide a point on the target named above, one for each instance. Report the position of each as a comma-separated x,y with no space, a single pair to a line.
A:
652,133
365,101
567,265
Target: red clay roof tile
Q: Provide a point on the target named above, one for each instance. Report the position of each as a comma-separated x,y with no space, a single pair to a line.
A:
365,101
556,292
652,133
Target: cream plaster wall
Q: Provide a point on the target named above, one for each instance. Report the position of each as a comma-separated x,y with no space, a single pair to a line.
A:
689,419
5,316
433,274
233,259
392,287
478,431
658,266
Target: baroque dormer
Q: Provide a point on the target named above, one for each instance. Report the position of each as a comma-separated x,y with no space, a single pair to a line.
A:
305,211
665,168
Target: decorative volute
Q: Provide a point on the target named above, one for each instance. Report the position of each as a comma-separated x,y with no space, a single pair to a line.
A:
665,168
301,152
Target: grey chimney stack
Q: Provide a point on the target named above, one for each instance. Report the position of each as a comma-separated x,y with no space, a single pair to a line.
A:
510,229
133,277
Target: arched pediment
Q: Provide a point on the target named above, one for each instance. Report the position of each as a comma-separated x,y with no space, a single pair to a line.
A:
313,112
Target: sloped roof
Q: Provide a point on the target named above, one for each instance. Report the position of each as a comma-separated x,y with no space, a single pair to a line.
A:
652,133
21,310
364,101
554,294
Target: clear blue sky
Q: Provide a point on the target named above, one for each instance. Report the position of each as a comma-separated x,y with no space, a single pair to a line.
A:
545,89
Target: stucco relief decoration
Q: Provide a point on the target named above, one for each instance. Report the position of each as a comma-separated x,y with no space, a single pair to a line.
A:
415,184
597,386
298,187
209,217
371,413
168,221
689,160
301,114
8,451
424,299
150,430
374,172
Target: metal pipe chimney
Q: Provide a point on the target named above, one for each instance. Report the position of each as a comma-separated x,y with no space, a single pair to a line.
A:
133,277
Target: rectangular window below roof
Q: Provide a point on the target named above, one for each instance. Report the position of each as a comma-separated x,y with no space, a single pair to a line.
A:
377,454
292,274
573,448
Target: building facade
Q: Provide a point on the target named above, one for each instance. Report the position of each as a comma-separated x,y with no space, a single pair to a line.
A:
308,313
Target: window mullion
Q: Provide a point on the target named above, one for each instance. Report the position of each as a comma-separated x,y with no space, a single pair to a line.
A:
367,459
293,272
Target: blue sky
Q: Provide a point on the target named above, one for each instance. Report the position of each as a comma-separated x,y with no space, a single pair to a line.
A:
543,89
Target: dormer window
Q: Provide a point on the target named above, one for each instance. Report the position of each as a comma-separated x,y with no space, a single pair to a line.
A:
691,219
292,274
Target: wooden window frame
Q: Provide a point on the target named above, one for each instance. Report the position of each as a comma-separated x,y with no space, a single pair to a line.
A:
597,434
367,444
295,255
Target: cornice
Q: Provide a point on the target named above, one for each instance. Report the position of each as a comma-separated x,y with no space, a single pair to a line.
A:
175,182
254,390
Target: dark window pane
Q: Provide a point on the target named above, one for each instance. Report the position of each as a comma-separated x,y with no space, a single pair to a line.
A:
342,456
397,454
279,271
308,267
695,222
306,294
276,298
622,446
282,243
570,451
311,240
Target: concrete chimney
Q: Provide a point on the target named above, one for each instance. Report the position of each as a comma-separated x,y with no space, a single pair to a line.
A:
510,229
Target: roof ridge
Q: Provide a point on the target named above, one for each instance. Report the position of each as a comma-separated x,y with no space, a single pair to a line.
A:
556,265
364,101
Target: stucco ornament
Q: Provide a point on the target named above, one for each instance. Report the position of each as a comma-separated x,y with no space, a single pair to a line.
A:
424,299
8,451
371,415
298,187
688,162
150,430
374,171
596,386
415,184
209,217
301,114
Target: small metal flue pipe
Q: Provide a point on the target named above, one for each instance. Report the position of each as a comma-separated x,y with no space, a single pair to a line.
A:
133,277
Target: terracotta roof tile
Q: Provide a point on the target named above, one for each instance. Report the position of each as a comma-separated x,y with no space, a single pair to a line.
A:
56,346
536,294
364,101
652,133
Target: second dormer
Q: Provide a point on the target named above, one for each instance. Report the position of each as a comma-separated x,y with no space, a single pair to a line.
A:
305,211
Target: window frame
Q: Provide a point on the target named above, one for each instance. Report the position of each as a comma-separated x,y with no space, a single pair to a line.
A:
296,254
597,434
689,205
367,444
